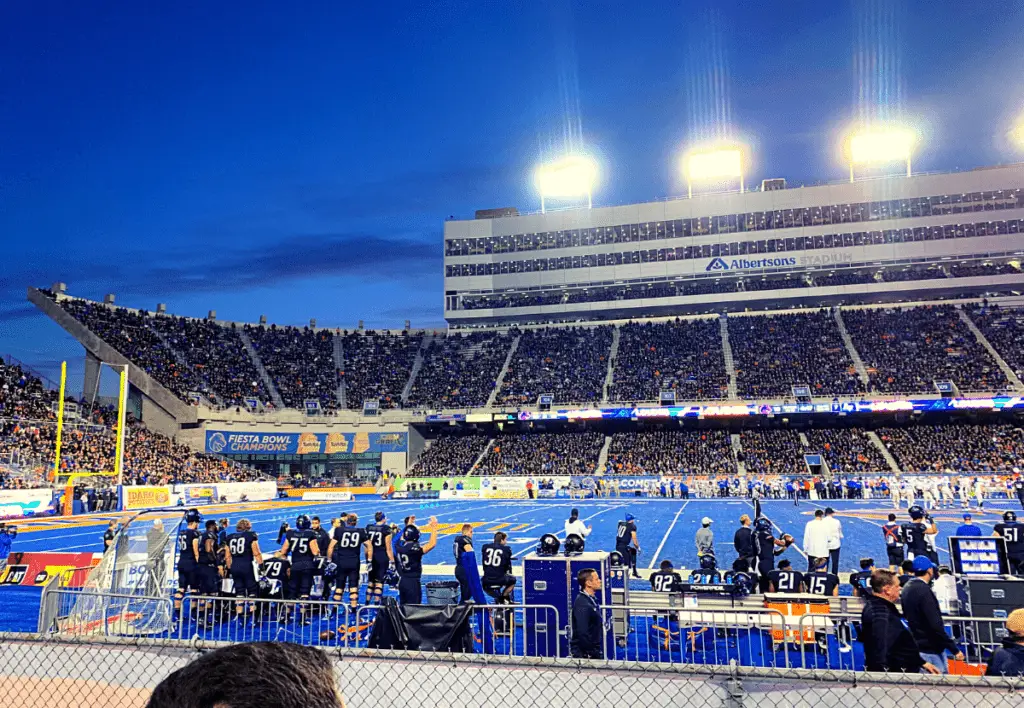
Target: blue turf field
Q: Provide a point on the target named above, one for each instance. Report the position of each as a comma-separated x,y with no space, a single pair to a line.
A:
665,527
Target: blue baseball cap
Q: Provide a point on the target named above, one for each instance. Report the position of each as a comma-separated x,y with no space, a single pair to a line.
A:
923,563
967,516
629,517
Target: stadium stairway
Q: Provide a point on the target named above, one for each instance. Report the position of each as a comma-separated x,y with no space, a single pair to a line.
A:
260,369
730,367
609,376
877,441
480,457
983,340
602,459
339,365
502,374
858,363
417,364
737,454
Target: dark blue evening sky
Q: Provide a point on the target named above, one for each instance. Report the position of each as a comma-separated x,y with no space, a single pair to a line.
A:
298,159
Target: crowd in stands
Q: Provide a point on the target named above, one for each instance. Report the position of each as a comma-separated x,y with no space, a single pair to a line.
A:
671,452
451,455
544,454
28,432
847,450
216,353
772,353
460,370
755,284
682,355
1004,329
130,334
703,286
953,447
906,350
569,363
773,452
968,270
150,458
844,277
377,366
300,362
894,275
23,395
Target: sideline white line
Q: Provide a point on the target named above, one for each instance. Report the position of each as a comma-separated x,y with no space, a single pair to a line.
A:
664,538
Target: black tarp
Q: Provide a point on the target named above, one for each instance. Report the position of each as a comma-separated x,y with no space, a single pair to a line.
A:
422,628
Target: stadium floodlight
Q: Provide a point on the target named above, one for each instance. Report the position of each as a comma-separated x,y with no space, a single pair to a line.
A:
567,178
880,145
712,164
1018,133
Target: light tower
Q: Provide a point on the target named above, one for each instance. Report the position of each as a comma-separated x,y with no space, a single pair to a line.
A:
571,177
880,144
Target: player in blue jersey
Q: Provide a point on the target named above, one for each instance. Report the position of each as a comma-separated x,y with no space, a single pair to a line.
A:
301,544
409,558
242,551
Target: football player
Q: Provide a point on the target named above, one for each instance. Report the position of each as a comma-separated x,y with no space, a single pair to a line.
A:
243,549
348,546
820,582
893,542
914,532
410,561
1013,532
301,543
666,579
765,544
382,557
497,561
188,557
627,543
206,570
323,540
785,579
463,544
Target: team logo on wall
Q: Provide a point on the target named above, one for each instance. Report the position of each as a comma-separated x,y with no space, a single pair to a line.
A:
217,443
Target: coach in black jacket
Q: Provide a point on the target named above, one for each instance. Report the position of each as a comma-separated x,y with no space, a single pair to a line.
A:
921,609
888,644
587,637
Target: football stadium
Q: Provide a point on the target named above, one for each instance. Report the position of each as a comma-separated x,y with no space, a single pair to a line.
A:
760,444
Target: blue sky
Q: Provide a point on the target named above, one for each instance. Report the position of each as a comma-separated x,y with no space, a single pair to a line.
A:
299,160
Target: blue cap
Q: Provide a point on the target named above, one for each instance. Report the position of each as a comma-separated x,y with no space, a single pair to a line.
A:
967,516
923,563
629,517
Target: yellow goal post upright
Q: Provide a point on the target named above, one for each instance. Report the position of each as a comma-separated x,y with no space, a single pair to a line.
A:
120,431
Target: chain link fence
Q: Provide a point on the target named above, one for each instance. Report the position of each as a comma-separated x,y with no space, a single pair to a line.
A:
119,672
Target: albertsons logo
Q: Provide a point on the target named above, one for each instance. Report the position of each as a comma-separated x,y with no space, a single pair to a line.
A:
745,263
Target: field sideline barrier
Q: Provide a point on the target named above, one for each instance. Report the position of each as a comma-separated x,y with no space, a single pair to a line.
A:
301,491
326,496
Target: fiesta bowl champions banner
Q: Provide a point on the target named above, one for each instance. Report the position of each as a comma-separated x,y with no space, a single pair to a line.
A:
224,442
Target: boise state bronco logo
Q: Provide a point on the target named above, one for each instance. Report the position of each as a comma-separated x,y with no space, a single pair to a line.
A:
217,442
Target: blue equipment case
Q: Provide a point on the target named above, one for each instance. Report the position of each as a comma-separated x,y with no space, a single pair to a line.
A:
551,581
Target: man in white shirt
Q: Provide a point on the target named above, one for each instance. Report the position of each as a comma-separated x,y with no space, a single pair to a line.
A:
575,526
815,539
834,530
